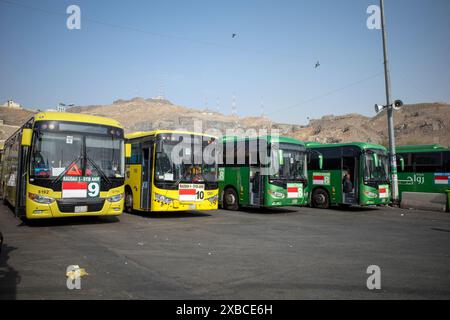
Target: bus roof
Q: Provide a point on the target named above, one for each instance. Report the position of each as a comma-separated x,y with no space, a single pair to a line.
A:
361,145
269,139
141,134
76,117
422,148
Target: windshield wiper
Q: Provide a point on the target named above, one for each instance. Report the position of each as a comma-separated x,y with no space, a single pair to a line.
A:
102,173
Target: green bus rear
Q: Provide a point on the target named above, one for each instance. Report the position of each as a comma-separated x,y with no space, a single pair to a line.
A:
263,172
423,168
367,164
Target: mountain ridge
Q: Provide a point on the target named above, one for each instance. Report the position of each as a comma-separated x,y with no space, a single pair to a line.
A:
421,123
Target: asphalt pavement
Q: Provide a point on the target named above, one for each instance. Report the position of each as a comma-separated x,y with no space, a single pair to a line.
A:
286,253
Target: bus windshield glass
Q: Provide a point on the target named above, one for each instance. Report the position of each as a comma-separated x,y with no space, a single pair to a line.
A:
55,149
376,167
291,160
195,163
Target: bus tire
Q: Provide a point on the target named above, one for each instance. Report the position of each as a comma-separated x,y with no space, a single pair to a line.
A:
230,200
128,201
320,199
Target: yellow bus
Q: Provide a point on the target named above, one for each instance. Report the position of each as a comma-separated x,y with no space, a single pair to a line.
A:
64,164
171,171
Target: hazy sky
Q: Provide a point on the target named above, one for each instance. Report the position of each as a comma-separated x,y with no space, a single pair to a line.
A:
129,48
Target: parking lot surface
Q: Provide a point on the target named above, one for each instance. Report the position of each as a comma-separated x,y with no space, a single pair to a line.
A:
289,253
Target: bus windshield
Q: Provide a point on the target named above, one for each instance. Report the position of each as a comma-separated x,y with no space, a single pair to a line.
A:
291,160
196,165
53,152
376,168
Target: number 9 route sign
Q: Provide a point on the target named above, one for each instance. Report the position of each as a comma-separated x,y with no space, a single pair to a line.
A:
80,187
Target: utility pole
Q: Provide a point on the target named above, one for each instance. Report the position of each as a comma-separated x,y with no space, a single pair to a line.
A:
389,109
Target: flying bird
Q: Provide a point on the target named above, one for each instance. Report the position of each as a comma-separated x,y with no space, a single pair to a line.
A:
317,65
233,35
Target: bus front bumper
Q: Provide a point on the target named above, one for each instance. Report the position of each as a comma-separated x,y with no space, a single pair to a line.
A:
177,205
72,208
168,200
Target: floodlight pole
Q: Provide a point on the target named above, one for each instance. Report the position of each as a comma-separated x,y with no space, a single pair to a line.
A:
390,110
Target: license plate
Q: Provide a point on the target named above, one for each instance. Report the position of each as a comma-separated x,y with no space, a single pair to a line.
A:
79,209
192,206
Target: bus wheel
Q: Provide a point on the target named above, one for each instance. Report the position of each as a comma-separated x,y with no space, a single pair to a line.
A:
320,199
230,200
128,201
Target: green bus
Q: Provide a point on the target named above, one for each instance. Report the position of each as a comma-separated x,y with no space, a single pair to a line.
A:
368,167
265,171
423,168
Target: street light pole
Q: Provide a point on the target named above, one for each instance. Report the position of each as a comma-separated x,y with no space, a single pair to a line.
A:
390,110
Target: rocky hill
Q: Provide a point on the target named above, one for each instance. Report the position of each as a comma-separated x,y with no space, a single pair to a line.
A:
425,123
414,124
11,120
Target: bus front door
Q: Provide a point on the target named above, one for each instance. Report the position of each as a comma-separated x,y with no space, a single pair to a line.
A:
350,166
255,187
146,178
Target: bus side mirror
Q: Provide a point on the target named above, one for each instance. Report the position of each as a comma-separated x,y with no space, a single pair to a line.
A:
402,163
26,137
375,159
320,161
280,157
127,150
159,146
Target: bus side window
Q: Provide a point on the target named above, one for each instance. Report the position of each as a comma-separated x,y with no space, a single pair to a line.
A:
446,160
253,153
408,165
331,158
241,153
314,163
229,153
427,161
136,153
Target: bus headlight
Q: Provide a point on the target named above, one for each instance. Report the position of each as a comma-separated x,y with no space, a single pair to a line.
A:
163,199
276,194
370,194
40,199
213,199
115,198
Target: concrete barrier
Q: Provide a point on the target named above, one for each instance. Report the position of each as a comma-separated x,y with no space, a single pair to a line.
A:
424,201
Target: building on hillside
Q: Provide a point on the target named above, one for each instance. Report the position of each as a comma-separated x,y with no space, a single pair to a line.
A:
11,104
208,112
159,97
61,108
